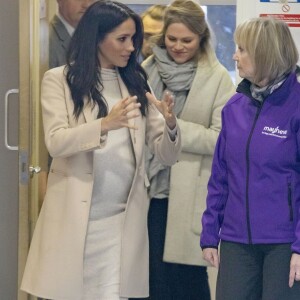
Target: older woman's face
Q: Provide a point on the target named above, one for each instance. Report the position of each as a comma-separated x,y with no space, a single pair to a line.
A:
181,43
243,63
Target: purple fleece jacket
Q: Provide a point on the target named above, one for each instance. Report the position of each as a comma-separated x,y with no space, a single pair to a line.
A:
254,188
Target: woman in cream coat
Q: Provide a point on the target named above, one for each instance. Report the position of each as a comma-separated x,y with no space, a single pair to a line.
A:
56,262
184,63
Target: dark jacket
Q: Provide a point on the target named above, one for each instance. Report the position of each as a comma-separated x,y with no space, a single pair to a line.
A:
59,40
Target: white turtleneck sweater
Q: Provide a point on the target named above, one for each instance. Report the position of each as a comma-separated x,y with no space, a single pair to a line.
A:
114,165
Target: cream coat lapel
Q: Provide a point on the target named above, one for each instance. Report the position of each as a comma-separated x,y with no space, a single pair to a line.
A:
88,111
135,135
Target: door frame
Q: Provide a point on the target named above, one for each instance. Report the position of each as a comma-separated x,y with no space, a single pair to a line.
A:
24,130
33,57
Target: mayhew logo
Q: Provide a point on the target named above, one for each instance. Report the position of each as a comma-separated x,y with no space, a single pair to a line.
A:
275,131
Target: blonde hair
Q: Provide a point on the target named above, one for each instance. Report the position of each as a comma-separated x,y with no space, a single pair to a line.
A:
155,12
189,13
270,46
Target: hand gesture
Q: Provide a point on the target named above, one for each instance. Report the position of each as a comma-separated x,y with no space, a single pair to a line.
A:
294,269
211,255
123,111
165,107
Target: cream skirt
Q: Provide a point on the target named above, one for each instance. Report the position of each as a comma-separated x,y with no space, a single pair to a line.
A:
101,274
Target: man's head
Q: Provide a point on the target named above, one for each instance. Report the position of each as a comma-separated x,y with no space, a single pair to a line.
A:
72,10
153,23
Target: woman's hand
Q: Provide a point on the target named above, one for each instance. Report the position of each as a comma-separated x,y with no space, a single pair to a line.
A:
120,114
211,255
294,269
165,107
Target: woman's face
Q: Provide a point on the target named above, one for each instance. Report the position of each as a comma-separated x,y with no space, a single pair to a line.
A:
117,46
243,63
181,43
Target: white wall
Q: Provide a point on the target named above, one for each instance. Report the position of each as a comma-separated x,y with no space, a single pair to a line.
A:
247,9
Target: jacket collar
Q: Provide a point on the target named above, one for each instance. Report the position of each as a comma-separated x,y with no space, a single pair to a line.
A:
278,94
60,30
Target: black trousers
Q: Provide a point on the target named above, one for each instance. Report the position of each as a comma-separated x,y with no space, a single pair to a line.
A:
170,281
255,272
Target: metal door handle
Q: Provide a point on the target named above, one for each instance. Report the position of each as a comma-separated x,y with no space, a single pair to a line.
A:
34,170
8,93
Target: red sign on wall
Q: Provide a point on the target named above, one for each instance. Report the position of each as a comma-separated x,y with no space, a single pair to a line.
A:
293,20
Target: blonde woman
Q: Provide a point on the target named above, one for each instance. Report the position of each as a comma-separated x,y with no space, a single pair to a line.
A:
184,63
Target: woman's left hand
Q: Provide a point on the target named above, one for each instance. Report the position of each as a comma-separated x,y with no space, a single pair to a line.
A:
165,107
294,269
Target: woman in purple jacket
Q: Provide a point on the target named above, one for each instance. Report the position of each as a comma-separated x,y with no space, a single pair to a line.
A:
253,202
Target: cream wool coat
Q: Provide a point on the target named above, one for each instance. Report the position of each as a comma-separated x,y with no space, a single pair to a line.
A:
54,268
200,123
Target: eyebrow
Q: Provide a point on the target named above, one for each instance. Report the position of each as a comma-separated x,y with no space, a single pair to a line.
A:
123,34
182,38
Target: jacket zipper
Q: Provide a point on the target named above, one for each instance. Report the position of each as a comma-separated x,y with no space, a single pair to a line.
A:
248,171
290,201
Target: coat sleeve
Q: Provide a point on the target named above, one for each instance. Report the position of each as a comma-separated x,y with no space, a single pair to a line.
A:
217,195
158,139
64,135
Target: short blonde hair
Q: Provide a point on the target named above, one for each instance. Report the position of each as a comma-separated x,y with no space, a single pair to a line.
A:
270,46
155,12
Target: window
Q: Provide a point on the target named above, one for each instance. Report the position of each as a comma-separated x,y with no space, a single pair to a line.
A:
222,19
